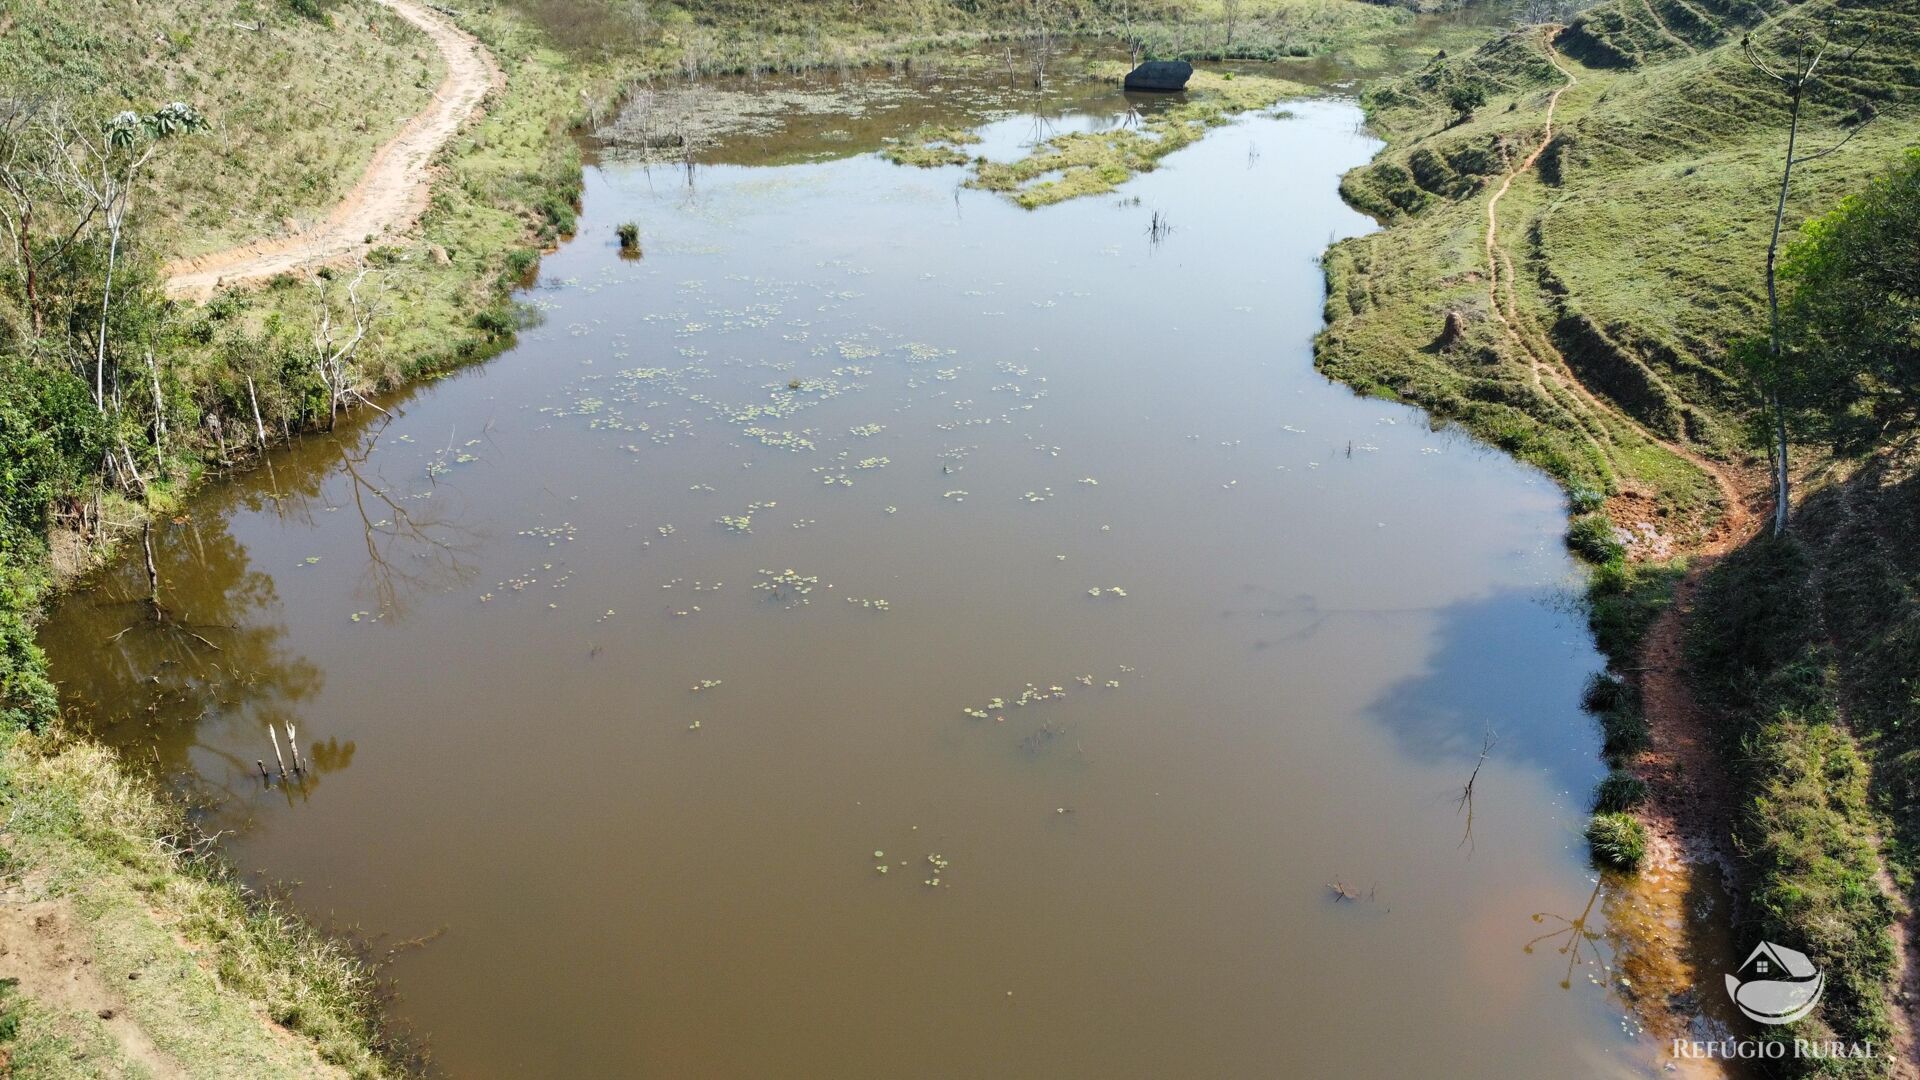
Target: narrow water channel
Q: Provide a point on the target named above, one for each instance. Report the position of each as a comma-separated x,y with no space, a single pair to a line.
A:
883,631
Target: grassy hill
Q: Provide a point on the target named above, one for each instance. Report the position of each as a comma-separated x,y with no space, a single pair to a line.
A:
300,95
1629,260
1636,244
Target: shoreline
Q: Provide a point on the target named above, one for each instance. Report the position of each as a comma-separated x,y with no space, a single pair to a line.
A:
1685,811
286,957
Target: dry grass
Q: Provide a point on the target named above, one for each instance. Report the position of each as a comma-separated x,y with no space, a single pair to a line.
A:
297,104
210,976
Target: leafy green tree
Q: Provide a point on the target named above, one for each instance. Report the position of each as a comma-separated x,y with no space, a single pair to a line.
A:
1464,97
1852,318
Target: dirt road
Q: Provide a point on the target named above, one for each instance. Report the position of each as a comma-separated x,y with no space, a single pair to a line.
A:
388,199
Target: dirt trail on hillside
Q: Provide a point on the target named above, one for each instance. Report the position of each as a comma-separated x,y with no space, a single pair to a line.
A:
1737,519
1688,807
388,199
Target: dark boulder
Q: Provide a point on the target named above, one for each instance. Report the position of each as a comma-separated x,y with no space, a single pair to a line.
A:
1160,76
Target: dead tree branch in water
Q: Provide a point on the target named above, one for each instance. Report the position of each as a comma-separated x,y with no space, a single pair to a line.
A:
153,574
1344,895
1465,801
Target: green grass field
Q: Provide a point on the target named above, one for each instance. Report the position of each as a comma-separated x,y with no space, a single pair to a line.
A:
1630,260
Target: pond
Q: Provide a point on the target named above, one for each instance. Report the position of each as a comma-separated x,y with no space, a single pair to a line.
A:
884,631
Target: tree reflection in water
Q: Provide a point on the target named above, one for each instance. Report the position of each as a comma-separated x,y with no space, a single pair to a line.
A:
203,682
1579,944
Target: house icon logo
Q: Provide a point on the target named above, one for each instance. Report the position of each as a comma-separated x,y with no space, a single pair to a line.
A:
1776,985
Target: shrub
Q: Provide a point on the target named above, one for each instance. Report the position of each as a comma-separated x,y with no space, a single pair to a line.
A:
1623,732
1619,791
520,265
1604,693
559,213
1585,500
1617,840
1464,97
496,322
51,438
1591,537
629,233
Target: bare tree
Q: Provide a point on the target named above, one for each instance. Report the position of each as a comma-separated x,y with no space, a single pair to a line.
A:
1121,15
1046,26
1545,12
345,316
105,166
43,218
1795,69
1230,14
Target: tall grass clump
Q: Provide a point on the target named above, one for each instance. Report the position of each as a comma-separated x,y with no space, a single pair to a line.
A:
1623,725
1591,537
1619,792
1617,840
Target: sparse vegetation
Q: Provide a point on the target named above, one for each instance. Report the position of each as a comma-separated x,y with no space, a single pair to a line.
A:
1808,829
112,852
1092,163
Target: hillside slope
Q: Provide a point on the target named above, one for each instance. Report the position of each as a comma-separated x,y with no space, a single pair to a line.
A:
1591,333
1636,242
298,100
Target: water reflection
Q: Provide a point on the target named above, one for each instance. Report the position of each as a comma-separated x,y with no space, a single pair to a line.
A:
195,670
1511,663
1115,614
411,549
188,683
1578,939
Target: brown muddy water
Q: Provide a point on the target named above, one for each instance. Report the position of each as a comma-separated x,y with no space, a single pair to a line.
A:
885,632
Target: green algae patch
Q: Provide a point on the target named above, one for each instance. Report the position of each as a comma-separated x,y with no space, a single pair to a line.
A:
932,145
1094,163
